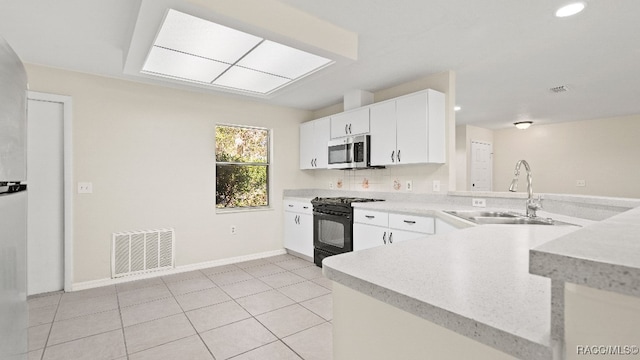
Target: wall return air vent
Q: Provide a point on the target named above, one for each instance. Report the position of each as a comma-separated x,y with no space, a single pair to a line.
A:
137,252
191,49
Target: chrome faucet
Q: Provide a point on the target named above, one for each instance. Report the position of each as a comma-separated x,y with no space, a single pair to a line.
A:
532,204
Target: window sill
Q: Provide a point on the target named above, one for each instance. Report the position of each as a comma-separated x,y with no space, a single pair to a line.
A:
243,210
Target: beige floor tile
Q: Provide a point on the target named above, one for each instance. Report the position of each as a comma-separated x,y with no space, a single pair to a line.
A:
187,275
303,291
157,332
230,277
264,302
283,257
72,329
42,315
315,343
245,288
82,307
324,282
149,311
190,348
282,279
237,338
38,336
309,272
202,298
264,270
294,264
214,316
321,306
46,300
88,294
289,320
275,350
139,296
35,355
107,346
139,284
190,285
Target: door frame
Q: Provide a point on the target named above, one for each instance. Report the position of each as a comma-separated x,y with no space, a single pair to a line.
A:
66,102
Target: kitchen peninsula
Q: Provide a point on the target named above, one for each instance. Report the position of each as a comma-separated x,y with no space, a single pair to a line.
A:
470,293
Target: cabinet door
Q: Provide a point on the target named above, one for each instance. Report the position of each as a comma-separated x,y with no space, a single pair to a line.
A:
349,123
383,133
322,135
396,236
368,236
307,145
305,235
411,129
290,230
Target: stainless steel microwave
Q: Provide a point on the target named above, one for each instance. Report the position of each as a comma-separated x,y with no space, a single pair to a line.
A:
350,152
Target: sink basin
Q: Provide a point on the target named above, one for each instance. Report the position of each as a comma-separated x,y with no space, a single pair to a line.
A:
503,218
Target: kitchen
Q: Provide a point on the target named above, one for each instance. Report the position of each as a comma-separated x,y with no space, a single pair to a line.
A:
126,133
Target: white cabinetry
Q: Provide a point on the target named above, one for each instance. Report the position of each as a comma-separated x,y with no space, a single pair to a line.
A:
298,227
314,137
353,122
409,129
375,228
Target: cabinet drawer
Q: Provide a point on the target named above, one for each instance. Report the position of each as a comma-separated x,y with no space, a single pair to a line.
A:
369,217
298,206
413,223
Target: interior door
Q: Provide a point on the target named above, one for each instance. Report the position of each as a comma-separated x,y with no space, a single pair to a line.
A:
45,178
481,166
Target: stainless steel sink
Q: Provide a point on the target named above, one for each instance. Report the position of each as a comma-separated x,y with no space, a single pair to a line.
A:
504,218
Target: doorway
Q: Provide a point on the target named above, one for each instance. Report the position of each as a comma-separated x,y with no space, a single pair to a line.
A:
481,166
49,196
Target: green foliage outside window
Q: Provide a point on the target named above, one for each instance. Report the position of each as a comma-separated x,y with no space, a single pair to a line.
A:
242,161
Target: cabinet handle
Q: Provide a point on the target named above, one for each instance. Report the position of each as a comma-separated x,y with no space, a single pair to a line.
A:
290,205
384,238
410,222
390,238
393,159
345,128
311,162
398,155
349,128
369,216
315,162
306,207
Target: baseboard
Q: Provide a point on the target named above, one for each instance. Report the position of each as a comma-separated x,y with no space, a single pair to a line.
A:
179,269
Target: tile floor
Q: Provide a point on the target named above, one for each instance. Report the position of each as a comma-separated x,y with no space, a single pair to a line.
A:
273,308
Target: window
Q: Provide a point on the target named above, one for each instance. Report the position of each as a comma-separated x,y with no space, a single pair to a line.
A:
242,167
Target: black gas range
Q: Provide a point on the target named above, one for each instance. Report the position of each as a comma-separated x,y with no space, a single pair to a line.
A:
333,226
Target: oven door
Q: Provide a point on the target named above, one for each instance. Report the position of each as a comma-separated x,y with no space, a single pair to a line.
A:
340,153
332,233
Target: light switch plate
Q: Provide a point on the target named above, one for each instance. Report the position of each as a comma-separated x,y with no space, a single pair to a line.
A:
581,183
85,188
409,185
436,185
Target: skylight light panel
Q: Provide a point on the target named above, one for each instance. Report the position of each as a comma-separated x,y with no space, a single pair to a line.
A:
250,80
174,64
200,37
282,60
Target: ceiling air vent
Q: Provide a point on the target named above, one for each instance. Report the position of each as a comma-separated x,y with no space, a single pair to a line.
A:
560,89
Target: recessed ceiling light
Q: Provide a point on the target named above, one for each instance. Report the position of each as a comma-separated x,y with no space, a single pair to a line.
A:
457,108
191,49
570,9
522,125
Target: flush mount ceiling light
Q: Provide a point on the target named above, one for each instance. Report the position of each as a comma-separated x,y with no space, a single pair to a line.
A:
522,125
191,49
570,9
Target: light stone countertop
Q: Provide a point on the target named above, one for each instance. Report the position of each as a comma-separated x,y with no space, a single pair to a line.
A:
473,281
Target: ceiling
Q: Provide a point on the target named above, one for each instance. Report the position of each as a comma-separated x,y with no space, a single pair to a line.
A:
506,54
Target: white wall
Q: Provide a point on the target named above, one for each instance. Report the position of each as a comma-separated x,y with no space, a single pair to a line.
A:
603,152
422,176
149,152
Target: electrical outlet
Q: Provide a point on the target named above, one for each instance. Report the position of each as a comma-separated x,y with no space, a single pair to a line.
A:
85,188
409,185
436,185
330,185
479,202
581,183
234,230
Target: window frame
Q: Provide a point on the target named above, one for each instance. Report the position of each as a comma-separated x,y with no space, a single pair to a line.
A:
267,164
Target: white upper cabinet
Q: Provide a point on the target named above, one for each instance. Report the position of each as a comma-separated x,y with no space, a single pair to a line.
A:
314,137
352,122
409,130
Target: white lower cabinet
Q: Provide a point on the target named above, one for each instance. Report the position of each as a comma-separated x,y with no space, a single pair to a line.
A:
375,228
298,227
